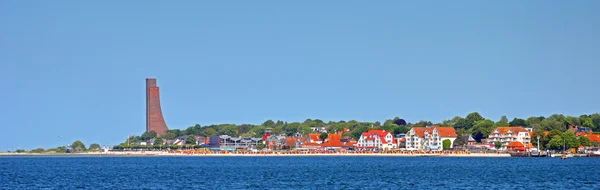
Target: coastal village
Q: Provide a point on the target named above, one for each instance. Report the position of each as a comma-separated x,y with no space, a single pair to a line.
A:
418,140
393,137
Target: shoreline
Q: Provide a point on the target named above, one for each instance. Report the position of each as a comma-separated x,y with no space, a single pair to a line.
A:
163,154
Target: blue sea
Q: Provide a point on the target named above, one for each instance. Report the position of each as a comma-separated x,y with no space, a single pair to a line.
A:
297,173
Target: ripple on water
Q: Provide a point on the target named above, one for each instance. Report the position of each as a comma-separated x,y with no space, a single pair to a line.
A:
297,173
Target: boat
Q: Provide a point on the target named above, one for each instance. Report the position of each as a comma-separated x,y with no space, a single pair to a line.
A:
564,154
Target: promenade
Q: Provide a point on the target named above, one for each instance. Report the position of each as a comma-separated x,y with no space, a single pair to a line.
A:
261,154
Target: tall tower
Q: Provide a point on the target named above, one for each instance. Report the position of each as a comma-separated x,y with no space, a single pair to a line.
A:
154,118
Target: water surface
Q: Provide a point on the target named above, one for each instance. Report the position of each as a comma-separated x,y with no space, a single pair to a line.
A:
298,173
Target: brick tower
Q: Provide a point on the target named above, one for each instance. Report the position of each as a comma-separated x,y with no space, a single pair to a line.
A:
154,118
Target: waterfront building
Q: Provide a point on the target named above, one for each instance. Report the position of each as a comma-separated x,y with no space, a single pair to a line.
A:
376,139
275,141
507,135
226,142
429,138
469,139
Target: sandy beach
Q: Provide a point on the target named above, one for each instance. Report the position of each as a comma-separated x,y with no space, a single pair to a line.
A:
150,153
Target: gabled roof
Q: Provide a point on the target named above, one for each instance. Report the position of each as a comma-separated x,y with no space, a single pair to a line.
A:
291,141
333,140
315,137
446,131
516,144
380,133
442,131
594,137
514,130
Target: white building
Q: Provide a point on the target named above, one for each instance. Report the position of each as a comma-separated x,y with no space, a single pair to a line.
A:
429,138
507,135
376,139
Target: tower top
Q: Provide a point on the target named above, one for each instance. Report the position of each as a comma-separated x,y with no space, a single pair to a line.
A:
150,82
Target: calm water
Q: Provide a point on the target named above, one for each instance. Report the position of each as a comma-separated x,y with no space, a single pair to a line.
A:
297,173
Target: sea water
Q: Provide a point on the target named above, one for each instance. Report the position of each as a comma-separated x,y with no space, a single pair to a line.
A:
17,172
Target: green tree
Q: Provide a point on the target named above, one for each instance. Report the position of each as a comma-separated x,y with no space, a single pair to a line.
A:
551,124
207,132
556,143
323,136
484,127
446,144
472,118
20,151
423,123
517,122
259,131
95,147
570,120
401,129
584,141
503,122
148,135
37,150
191,139
460,140
571,139
587,122
244,128
498,145
358,131
534,121
377,124
158,141
260,146
269,123
78,146
596,121
230,130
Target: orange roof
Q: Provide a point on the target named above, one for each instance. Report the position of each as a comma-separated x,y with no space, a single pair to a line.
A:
315,137
529,145
580,146
446,131
380,133
516,144
594,137
581,134
504,130
403,140
442,131
420,131
350,144
333,140
291,141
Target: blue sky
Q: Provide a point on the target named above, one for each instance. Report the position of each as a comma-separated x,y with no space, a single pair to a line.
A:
77,69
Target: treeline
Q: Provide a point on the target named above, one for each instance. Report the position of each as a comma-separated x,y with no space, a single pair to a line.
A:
76,146
355,128
473,124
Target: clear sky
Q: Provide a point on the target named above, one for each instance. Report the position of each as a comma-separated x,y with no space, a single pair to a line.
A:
77,69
